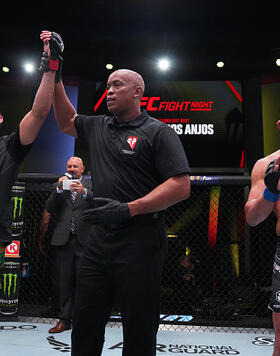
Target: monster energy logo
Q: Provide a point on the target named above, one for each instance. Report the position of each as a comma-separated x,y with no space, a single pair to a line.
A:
8,282
17,205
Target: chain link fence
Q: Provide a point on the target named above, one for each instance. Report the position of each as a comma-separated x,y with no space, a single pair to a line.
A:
218,270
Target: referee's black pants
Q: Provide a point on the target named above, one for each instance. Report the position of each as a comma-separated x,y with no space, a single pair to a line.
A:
122,264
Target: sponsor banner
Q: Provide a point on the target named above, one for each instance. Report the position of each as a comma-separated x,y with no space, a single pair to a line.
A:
202,343
204,180
9,287
164,318
35,340
12,250
207,116
11,272
17,197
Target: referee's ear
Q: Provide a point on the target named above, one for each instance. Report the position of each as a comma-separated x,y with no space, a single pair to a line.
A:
138,92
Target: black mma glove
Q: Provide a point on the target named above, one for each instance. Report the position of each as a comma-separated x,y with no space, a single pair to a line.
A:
54,61
56,46
271,178
106,211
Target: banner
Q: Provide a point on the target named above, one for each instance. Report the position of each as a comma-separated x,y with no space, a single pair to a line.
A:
11,272
10,279
207,116
18,191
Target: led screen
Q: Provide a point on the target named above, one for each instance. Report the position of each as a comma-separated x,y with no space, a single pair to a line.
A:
206,115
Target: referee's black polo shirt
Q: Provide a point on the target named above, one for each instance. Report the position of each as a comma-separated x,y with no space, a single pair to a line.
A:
128,160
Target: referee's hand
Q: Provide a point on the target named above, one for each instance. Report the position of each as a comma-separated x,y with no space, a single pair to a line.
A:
106,211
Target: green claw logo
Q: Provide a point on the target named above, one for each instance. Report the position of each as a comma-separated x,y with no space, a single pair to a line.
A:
17,203
8,282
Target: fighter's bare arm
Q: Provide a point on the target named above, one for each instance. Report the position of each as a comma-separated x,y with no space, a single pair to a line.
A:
34,119
257,208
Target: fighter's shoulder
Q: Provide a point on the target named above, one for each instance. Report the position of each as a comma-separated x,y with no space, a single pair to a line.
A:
261,164
267,159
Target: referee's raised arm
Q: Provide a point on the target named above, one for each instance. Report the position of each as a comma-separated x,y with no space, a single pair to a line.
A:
64,111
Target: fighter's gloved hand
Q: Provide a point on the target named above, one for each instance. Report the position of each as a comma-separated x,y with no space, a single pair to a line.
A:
56,46
271,178
54,61
106,211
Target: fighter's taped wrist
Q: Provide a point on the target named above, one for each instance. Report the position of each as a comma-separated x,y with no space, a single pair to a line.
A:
49,63
53,64
272,197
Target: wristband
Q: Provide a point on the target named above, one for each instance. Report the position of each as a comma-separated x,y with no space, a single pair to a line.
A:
53,64
270,196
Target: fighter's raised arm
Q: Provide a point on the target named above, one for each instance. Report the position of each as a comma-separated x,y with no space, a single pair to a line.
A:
33,120
64,111
15,146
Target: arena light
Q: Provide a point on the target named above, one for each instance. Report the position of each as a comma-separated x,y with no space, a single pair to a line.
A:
163,64
277,62
220,64
29,67
5,69
109,66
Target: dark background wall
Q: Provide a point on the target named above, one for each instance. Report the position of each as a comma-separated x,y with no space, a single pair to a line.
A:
52,148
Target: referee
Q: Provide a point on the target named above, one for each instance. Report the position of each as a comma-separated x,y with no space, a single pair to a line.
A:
139,170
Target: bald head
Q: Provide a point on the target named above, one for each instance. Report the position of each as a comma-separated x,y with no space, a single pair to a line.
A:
76,159
130,76
75,166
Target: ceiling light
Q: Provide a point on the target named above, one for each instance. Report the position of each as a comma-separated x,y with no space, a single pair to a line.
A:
220,64
163,64
109,66
6,69
277,62
29,67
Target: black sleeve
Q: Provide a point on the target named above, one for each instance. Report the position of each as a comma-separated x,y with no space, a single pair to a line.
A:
15,148
82,124
170,157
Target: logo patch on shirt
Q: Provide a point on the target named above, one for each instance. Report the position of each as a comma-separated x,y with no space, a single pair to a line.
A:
132,141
